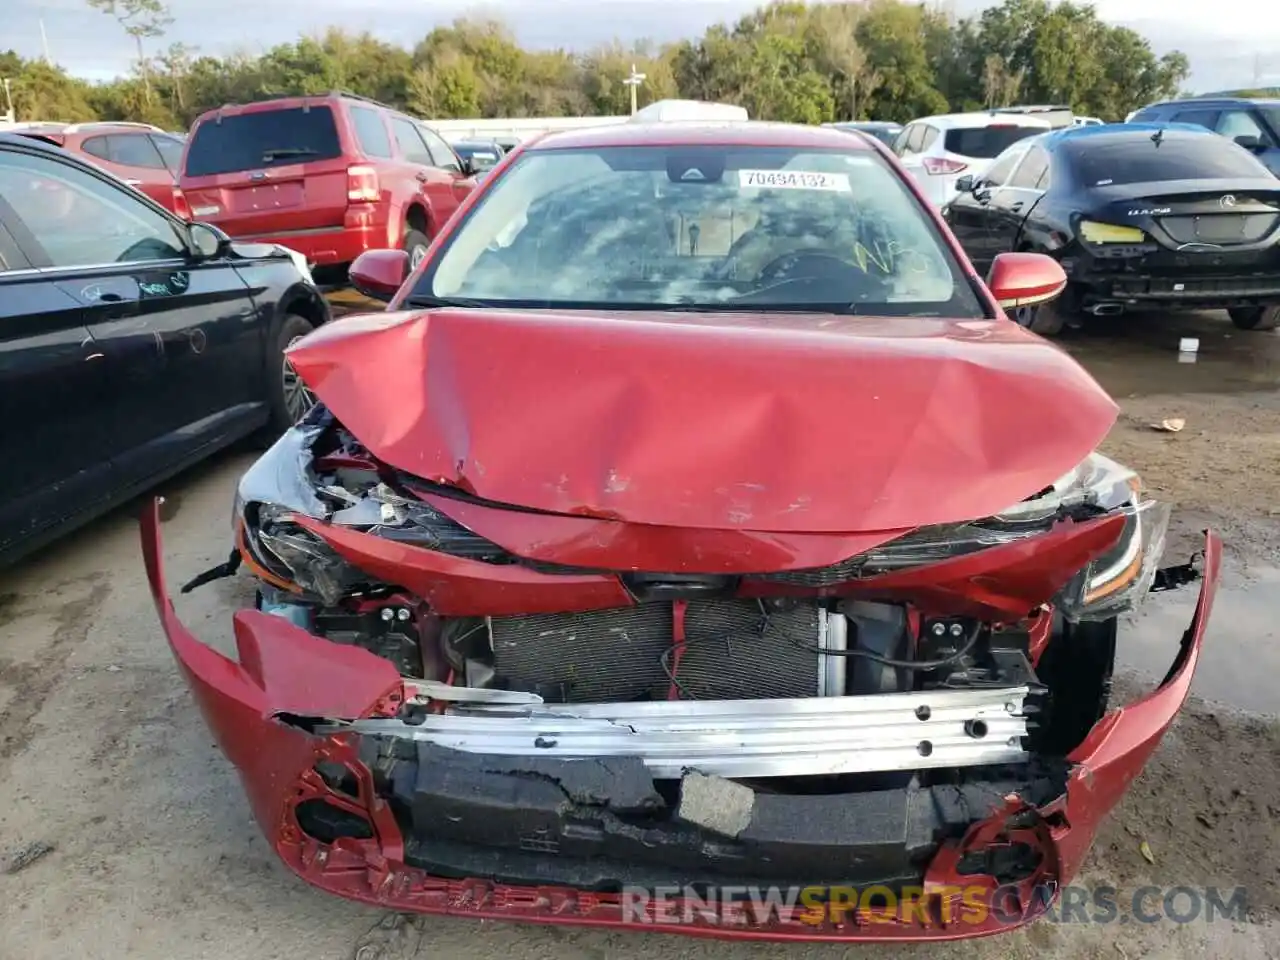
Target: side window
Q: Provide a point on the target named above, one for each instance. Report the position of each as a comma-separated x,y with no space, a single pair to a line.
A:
79,220
1046,177
371,132
1201,118
170,151
999,171
411,146
929,136
1031,170
442,154
133,150
97,147
11,257
915,142
1240,123
899,145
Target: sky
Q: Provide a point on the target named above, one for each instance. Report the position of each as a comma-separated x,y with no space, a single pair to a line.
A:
1230,43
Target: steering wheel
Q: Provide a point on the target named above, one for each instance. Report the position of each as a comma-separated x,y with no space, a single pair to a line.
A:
806,265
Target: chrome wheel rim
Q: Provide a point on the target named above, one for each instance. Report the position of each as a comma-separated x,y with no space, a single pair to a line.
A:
297,398
1024,316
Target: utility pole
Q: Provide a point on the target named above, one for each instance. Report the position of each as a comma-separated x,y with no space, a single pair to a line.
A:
9,116
44,43
634,82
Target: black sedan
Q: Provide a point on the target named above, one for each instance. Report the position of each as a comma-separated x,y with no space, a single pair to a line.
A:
1139,215
132,344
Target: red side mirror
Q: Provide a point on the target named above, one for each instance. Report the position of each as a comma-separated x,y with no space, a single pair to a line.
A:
379,274
1025,279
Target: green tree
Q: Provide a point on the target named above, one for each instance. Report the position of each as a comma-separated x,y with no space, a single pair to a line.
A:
604,69
786,60
142,20
447,86
831,37
42,91
893,36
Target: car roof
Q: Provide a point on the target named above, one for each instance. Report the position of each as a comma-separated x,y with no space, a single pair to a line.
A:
1214,102
862,124
984,118
301,100
753,133
1122,130
36,143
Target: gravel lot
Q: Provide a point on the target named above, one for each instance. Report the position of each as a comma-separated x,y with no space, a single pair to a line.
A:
123,832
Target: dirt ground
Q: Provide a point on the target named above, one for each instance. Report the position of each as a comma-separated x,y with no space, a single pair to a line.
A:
124,833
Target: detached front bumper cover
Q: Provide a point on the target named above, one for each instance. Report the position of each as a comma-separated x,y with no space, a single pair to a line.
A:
285,675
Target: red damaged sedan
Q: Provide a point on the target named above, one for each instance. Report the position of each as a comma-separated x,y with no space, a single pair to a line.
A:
693,520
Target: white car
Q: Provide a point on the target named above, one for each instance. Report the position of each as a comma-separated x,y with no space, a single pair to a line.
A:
939,150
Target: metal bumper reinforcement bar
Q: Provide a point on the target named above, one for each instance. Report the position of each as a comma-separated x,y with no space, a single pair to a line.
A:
741,738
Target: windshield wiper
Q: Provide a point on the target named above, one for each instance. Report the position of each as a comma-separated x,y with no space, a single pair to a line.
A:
281,153
425,301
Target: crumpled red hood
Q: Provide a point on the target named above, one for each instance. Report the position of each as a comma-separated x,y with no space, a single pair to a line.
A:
778,423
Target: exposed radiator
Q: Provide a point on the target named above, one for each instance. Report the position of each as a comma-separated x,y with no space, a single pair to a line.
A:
732,651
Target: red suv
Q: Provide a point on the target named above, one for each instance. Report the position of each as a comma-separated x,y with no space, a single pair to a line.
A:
145,157
330,176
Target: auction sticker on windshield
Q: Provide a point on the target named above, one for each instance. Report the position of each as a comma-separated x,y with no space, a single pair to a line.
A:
794,180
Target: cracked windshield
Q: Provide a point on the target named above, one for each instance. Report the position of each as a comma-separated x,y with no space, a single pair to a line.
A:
702,227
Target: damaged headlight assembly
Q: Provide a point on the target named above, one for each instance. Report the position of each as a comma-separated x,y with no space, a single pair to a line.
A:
1097,487
283,483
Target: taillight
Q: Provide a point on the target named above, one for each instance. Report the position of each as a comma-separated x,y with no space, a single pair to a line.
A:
362,185
180,205
939,166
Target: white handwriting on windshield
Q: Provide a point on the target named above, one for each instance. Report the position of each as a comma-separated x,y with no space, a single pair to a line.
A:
889,258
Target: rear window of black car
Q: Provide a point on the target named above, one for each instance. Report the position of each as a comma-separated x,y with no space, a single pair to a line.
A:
1102,161
264,138
987,143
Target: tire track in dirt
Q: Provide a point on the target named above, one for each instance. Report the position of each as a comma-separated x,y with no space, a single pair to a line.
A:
32,680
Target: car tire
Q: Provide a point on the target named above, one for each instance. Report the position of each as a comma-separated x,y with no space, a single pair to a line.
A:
415,245
1255,318
1045,319
287,397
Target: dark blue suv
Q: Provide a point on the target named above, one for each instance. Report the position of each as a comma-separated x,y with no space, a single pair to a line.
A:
1254,124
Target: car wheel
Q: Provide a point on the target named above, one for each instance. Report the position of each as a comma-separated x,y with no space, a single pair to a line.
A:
1045,319
1255,318
288,397
415,245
